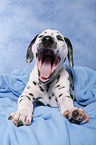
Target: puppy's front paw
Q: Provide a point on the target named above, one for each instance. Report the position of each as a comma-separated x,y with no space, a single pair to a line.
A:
79,115
76,115
21,118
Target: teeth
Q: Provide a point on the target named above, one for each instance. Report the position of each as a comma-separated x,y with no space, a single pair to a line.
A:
39,64
54,67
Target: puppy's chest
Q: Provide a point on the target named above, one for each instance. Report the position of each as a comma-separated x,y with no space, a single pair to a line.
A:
48,95
46,91
51,91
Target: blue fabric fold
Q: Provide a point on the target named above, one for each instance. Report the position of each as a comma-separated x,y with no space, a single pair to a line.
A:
12,85
48,125
86,88
84,84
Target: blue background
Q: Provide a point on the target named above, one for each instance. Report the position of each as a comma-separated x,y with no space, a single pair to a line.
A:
21,20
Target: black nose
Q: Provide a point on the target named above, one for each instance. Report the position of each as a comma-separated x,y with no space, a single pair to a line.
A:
47,40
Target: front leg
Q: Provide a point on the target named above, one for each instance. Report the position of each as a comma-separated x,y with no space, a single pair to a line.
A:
63,93
73,114
23,115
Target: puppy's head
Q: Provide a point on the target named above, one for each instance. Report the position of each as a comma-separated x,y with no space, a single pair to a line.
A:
50,50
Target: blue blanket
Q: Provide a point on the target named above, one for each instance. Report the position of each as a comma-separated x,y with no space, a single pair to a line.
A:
48,127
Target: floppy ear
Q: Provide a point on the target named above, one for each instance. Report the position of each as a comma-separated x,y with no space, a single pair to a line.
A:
70,52
29,55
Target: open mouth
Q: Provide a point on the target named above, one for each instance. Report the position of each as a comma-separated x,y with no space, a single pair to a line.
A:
47,62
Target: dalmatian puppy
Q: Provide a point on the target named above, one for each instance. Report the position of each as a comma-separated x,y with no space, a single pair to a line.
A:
49,81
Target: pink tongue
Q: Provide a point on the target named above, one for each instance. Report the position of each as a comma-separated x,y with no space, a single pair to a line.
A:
45,70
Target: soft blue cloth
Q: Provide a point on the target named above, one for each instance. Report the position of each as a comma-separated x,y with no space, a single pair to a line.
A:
48,127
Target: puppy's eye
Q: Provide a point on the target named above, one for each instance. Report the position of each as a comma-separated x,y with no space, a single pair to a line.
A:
40,36
59,38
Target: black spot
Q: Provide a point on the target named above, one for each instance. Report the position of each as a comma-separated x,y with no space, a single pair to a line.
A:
40,36
57,86
59,38
20,100
39,83
38,98
31,94
64,60
56,100
71,96
68,96
47,89
49,97
62,87
60,95
52,94
34,83
36,55
48,105
21,96
58,78
28,97
39,74
33,98
41,89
